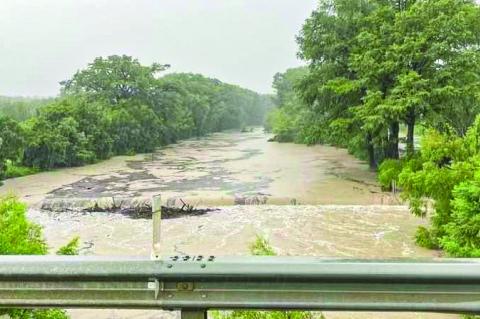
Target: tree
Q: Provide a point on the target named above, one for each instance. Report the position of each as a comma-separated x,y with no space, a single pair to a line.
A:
56,139
286,122
444,176
21,108
375,65
12,140
437,45
114,79
118,106
330,89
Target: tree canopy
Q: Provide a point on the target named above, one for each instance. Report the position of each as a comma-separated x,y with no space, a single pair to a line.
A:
118,106
375,66
382,74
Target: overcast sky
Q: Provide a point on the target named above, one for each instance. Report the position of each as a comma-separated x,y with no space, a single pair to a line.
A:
238,41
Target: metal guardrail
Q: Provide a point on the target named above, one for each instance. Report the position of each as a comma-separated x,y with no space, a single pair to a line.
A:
195,284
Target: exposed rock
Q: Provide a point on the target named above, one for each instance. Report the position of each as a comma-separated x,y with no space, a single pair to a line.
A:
259,199
133,207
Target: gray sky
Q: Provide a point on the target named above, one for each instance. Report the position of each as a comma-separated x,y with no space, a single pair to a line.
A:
238,41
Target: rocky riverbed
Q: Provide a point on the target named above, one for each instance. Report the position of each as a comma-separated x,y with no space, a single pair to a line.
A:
222,169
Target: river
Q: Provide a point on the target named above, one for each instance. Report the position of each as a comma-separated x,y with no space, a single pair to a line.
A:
316,201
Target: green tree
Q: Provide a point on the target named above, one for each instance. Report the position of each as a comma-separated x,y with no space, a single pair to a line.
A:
21,108
12,140
376,65
286,121
114,79
443,176
18,236
55,139
118,106
330,89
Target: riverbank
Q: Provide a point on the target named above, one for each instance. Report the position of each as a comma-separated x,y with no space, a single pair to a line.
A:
221,169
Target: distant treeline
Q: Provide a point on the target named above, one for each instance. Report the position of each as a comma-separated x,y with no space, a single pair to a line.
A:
21,108
118,106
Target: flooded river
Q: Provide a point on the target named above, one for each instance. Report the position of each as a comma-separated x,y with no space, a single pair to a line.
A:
216,170
331,205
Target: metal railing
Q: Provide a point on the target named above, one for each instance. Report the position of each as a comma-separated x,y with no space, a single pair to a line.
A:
195,284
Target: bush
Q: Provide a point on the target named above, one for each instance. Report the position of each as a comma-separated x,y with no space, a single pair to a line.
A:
261,247
462,233
19,171
388,171
282,126
424,238
71,248
18,236
429,179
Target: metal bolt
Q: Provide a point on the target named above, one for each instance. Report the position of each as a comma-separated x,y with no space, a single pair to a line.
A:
170,296
203,265
204,296
169,266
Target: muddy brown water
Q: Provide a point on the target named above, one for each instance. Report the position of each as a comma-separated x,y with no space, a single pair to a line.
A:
343,212
215,170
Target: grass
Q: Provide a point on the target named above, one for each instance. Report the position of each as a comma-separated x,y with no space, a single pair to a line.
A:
261,247
14,170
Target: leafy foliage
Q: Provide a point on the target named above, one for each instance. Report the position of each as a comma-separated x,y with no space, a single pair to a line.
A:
13,170
71,248
444,176
264,315
388,171
21,108
11,143
286,120
462,232
117,106
37,314
261,247
18,236
375,65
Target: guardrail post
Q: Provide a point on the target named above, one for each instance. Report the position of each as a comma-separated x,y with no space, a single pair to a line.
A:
193,314
157,223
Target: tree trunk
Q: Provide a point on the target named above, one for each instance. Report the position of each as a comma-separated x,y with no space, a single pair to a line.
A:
371,152
393,140
410,133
